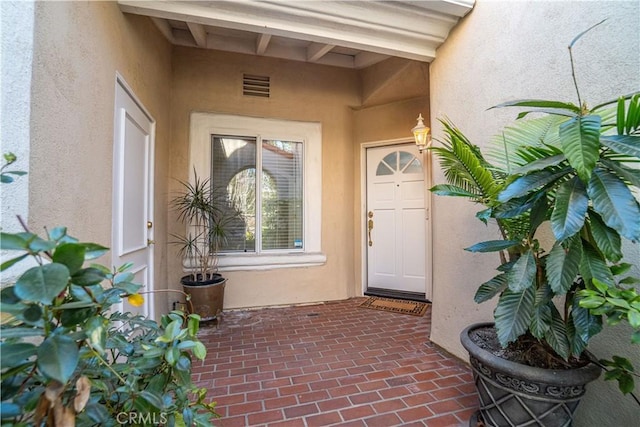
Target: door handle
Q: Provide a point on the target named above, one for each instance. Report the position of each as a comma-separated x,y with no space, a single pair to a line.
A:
370,227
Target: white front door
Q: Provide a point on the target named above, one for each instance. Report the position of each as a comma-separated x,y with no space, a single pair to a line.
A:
396,220
132,235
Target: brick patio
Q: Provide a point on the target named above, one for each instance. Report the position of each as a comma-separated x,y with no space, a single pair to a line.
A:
331,364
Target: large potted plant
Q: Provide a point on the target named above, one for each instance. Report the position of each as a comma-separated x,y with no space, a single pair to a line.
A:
207,214
568,171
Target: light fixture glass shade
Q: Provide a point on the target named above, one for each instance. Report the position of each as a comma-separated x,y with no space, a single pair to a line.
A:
421,134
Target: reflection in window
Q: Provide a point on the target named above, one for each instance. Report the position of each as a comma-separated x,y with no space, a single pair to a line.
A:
273,217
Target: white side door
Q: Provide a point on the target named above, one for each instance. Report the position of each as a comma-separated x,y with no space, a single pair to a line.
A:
396,219
132,234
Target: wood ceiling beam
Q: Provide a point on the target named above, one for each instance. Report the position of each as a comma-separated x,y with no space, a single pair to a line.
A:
262,42
199,33
164,28
315,51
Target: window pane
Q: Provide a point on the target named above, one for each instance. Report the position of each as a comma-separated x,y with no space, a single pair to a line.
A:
392,160
233,178
281,195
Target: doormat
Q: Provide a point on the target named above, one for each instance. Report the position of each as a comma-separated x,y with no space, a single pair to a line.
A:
413,308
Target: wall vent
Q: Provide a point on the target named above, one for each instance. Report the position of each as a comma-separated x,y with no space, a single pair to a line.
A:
256,85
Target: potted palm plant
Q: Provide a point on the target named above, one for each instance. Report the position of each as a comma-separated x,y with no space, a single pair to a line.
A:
569,170
206,214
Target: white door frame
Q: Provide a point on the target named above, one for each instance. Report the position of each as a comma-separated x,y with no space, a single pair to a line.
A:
149,304
426,161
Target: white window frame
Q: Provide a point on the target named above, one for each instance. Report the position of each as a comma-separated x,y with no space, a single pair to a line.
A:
204,125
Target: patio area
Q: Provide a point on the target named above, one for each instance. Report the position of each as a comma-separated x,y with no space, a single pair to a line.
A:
331,364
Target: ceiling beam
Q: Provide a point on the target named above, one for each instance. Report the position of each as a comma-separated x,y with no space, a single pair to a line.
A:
364,59
199,33
164,28
315,51
262,42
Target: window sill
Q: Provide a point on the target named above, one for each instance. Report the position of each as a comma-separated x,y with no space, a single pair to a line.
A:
252,262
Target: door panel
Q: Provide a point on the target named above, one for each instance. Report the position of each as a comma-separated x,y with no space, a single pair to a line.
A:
396,251
132,235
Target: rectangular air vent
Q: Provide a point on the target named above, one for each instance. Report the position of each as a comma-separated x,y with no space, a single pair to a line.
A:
255,85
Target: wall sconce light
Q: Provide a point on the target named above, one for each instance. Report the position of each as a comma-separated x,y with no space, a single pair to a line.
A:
421,134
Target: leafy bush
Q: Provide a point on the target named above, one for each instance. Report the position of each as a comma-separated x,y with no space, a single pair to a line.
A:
68,357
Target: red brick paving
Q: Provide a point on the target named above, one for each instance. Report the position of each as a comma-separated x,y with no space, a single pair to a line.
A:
332,364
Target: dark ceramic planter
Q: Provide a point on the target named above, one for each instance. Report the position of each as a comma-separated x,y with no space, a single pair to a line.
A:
207,297
514,395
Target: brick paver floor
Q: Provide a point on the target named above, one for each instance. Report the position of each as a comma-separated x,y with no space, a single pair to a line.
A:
333,364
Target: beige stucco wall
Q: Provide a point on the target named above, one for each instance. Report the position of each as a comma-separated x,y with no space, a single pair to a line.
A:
211,81
512,50
78,48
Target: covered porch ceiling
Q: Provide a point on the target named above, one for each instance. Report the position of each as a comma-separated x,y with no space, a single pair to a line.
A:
351,34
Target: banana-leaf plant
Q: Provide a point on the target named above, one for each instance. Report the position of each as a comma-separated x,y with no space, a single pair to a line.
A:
572,169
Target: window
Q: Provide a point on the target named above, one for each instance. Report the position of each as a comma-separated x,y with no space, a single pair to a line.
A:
268,174
271,218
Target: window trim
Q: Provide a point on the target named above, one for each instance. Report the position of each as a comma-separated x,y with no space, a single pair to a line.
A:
203,125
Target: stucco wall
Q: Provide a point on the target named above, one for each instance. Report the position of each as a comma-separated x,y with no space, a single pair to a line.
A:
211,81
512,50
78,47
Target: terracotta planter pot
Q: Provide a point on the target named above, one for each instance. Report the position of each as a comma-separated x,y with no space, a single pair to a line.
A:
207,297
512,394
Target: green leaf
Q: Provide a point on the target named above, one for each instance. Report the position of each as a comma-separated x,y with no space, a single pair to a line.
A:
42,283
593,266
523,273
563,265
58,357
605,238
71,255
200,351
193,324
620,121
154,399
493,246
9,263
12,242
21,332
96,330
451,190
528,183
540,164
539,212
491,288
556,336
587,325
631,175
93,250
623,144
32,314
87,277
570,209
513,314
13,354
634,318
540,103
74,317
576,344
620,268
635,337
615,203
540,320
580,139
9,410
625,383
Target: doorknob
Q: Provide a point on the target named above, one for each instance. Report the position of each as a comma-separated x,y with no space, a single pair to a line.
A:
370,227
